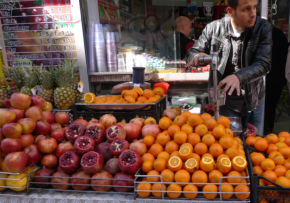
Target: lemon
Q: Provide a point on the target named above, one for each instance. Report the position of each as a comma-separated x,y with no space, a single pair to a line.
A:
20,182
2,182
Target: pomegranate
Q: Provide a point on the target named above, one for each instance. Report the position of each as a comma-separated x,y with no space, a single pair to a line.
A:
47,146
42,177
63,147
129,161
80,180
118,146
133,131
9,145
115,132
108,120
93,121
138,121
139,147
62,118
82,121
151,129
42,128
58,135
84,144
123,179
96,132
170,113
62,180
251,130
112,166
49,161
122,122
69,162
55,126
33,154
92,162
16,161
73,131
102,181
103,149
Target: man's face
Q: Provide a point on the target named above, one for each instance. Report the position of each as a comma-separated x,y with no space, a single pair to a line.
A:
245,14
187,29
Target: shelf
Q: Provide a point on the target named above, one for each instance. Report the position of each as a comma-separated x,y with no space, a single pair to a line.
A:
116,76
109,5
180,77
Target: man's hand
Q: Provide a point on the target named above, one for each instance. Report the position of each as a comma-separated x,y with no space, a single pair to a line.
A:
194,61
231,82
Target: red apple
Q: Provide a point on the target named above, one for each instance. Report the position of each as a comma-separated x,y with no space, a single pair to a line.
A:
19,113
1,135
47,146
26,139
9,145
42,128
39,138
33,153
12,130
38,101
62,118
63,147
28,125
34,112
20,101
48,106
58,135
16,161
6,103
55,126
6,117
48,117
49,161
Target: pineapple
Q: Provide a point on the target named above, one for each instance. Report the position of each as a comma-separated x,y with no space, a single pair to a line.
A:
65,77
17,75
3,95
78,94
46,89
30,81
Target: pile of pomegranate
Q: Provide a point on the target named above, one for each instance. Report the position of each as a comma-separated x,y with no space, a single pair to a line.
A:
99,154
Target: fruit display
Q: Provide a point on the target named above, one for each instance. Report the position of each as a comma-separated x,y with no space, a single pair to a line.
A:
192,156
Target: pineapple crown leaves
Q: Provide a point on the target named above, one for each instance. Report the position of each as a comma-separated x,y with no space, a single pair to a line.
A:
31,76
47,79
17,74
66,73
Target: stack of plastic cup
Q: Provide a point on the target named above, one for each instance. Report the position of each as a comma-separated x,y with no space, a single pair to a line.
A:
91,50
100,49
111,52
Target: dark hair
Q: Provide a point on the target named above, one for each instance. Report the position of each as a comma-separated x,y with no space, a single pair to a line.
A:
233,4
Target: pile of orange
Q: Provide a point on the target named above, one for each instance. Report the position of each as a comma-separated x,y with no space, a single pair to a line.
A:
193,150
135,95
272,159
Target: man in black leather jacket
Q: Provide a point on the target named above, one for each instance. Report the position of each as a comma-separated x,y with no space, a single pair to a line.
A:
244,51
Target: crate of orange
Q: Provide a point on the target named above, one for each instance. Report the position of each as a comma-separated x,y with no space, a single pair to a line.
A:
128,105
269,167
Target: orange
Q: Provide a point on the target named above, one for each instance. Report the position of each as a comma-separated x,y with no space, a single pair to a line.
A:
193,138
4,167
138,90
242,188
167,175
232,152
147,166
148,157
238,140
143,186
148,140
229,132
216,150
142,99
153,176
226,141
180,137
194,119
226,191
190,191
200,148
257,158
215,176
219,131
280,144
207,155
163,138
261,144
132,93
271,148
285,151
210,123
287,164
182,176
210,191
278,159
224,165
187,128
148,93
149,120
159,164
208,139
176,191
280,170
89,97
287,174
281,139
155,149
185,153
225,121
272,138
186,114
250,141
222,156
207,164
199,177
233,177
158,187
196,157
201,129
258,170
191,165
164,123
172,129
284,134
180,120
205,116
158,91
174,163
239,163
187,144
130,99
163,155
283,181
171,146
268,164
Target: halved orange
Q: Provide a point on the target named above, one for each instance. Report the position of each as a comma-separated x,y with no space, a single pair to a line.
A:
185,153
89,97
239,163
174,163
224,165
207,164
191,165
